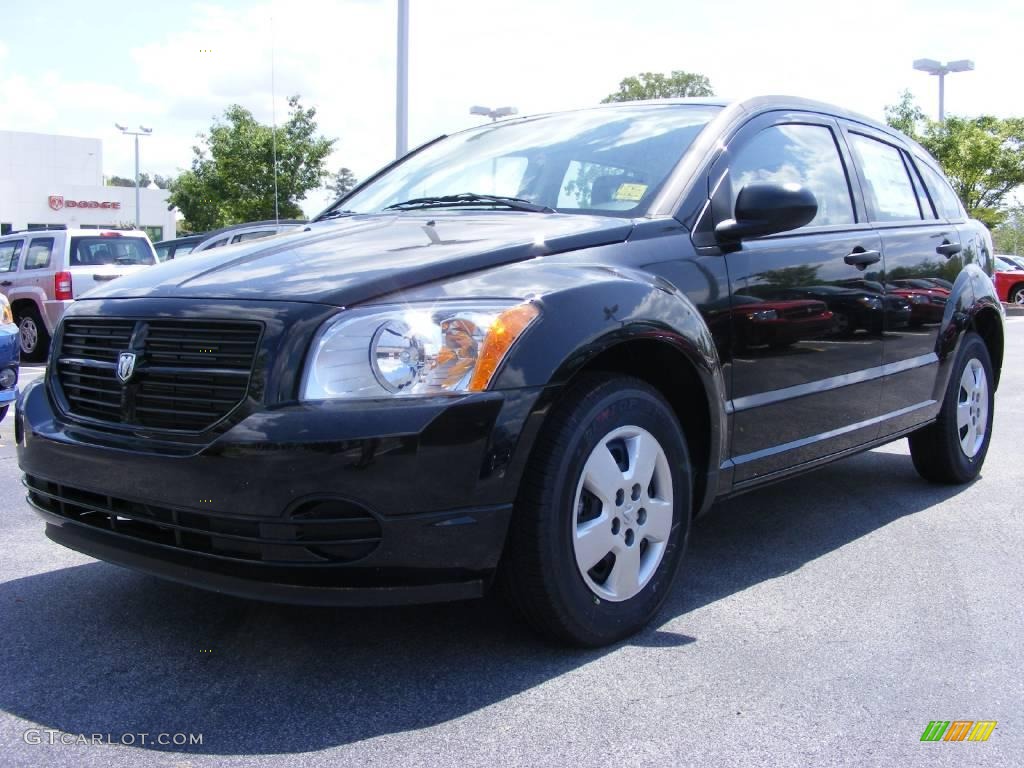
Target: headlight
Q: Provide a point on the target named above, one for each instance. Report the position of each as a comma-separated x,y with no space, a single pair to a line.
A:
919,299
413,351
5,310
872,302
763,314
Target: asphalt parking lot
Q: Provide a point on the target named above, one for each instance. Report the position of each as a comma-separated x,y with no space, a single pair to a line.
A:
822,621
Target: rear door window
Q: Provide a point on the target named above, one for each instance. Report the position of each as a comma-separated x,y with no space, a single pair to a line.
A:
888,192
98,251
10,251
39,251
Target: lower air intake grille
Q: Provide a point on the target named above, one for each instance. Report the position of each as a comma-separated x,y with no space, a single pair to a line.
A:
322,533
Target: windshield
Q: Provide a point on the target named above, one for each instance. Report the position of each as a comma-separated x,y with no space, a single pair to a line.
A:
94,251
606,161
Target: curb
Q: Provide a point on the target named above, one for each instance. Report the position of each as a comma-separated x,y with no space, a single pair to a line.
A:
1014,310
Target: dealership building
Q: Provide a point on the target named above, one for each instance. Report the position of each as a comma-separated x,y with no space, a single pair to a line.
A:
54,182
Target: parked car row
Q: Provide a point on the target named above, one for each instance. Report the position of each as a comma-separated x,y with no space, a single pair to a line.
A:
43,271
238,233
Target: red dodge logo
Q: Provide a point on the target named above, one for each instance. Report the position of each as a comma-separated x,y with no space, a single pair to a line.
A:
56,202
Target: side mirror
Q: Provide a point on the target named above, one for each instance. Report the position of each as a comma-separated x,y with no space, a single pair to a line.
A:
768,208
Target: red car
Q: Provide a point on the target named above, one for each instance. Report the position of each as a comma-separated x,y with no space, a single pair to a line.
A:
1010,286
926,304
757,322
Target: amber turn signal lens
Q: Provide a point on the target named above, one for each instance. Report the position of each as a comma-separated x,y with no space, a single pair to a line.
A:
500,337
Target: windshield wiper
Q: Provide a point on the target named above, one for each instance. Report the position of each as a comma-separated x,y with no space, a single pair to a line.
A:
464,199
337,213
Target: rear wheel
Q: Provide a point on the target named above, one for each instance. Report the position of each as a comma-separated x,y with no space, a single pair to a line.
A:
32,335
1017,295
603,514
952,450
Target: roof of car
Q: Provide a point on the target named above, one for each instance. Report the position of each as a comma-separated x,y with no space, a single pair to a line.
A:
77,232
769,103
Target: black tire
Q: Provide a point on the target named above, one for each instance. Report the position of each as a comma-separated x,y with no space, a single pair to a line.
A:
539,573
936,449
30,326
3,411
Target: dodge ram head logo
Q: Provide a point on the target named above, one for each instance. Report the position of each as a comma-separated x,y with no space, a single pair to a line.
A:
125,366
56,202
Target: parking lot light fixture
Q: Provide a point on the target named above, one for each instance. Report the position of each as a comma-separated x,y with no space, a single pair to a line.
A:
940,70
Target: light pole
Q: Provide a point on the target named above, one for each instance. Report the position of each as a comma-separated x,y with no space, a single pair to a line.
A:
494,114
402,95
933,67
141,132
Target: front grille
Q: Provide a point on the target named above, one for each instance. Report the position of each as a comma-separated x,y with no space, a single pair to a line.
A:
188,375
320,533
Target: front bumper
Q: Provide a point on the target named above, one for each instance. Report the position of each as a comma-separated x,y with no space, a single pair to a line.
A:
318,503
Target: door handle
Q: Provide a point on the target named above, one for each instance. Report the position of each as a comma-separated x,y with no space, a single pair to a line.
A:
948,249
861,258
6,282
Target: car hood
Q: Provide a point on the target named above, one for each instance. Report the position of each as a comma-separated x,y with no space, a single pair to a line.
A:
346,261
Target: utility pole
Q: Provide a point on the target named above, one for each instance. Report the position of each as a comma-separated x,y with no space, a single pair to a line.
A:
141,132
402,95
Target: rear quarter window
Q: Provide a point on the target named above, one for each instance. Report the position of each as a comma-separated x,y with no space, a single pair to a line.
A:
946,201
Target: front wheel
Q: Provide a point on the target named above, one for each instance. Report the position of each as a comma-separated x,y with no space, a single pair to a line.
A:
953,448
1017,295
603,514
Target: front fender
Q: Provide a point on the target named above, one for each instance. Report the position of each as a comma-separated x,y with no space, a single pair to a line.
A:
606,307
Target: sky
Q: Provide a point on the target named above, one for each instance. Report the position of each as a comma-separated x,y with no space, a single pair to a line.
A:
75,68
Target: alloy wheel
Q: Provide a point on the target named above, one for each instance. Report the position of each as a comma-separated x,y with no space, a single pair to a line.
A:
28,335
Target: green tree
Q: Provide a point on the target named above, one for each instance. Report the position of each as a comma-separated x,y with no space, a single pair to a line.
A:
654,85
983,157
341,183
905,115
163,182
232,175
1008,237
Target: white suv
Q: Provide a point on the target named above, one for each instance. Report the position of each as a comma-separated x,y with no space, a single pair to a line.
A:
43,271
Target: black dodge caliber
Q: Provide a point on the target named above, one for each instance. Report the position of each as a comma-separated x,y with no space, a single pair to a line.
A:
526,354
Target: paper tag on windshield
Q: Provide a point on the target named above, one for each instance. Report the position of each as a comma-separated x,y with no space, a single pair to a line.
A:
630,192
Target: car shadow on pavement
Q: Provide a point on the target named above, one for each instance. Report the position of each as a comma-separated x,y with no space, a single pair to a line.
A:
94,649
